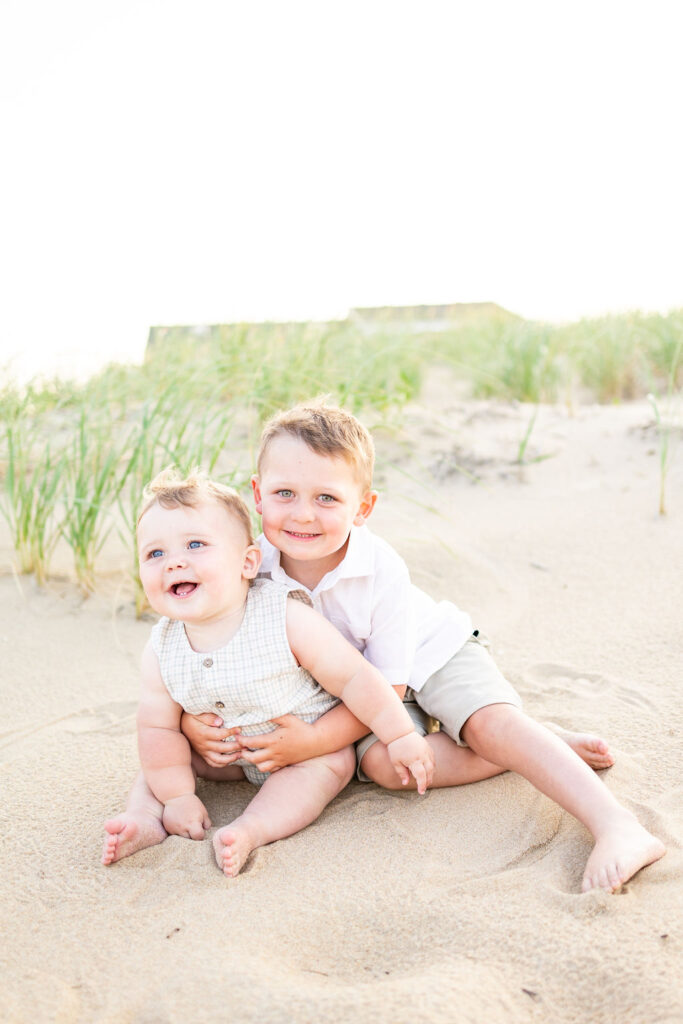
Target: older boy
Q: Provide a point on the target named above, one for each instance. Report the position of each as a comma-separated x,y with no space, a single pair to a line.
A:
314,492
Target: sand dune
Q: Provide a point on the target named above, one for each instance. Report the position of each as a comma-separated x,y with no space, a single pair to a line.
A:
462,906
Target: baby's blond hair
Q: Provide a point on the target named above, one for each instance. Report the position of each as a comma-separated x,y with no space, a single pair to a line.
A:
327,430
170,489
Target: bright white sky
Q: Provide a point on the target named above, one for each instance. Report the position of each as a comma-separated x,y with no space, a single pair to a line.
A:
175,162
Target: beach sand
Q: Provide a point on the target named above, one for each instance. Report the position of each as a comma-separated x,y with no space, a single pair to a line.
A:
460,906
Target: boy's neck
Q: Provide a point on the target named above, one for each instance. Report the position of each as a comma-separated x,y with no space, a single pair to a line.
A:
309,574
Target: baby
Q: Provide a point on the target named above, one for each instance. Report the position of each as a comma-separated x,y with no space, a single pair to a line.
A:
243,648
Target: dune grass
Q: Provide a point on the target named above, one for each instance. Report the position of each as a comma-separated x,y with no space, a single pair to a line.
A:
606,359
668,420
32,480
74,458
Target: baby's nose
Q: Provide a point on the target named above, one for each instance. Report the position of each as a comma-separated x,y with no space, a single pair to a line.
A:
176,562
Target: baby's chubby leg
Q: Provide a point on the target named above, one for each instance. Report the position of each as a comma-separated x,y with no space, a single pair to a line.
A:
288,800
138,827
141,824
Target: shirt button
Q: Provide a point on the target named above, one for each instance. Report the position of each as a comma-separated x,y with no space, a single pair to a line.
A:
220,704
207,663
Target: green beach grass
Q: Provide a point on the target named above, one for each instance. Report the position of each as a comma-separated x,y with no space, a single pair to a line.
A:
74,458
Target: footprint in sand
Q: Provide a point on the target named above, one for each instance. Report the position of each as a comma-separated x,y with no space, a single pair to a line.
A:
116,718
561,680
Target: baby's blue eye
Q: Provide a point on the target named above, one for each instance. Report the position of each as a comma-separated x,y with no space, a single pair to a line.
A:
195,544
157,553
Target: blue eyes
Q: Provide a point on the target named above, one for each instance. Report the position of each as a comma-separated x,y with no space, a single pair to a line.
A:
192,545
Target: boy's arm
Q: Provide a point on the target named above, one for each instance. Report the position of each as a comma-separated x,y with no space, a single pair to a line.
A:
292,741
295,740
345,673
165,754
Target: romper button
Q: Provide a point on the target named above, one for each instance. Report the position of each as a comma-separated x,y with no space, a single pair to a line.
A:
208,662
220,704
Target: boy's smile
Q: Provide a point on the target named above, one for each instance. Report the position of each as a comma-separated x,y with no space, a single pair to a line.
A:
308,504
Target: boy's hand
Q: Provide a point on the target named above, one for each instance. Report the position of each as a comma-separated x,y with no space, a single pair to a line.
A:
186,816
291,742
412,755
208,736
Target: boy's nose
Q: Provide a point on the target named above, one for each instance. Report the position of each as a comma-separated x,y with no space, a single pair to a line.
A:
304,512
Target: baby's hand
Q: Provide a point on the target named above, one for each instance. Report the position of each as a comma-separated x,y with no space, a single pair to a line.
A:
186,816
208,737
412,755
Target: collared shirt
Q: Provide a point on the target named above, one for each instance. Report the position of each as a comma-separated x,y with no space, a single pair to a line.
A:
370,599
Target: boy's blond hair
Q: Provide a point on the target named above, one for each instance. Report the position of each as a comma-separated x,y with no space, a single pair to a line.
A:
169,490
327,430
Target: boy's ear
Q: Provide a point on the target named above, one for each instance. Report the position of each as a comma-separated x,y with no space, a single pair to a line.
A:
256,488
366,506
252,562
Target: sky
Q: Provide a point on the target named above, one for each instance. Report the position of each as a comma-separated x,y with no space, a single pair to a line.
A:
167,162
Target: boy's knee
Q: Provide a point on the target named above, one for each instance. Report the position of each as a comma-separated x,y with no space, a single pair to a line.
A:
484,722
378,767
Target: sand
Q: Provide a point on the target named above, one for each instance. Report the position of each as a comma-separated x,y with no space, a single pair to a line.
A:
460,906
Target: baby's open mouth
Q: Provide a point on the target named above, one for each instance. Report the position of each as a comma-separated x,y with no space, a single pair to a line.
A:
183,589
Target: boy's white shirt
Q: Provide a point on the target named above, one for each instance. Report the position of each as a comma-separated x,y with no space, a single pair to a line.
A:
370,599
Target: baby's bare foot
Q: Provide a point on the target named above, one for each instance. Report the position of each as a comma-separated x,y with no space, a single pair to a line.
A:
232,846
619,854
591,749
129,833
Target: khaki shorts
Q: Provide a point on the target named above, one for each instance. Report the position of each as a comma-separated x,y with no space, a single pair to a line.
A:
468,682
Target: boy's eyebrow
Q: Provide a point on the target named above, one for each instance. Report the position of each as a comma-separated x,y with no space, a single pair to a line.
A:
281,485
288,485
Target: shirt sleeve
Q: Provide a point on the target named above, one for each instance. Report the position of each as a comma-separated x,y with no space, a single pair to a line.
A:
393,637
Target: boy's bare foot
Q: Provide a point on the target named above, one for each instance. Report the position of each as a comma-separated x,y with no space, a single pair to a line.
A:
129,833
591,749
619,854
232,845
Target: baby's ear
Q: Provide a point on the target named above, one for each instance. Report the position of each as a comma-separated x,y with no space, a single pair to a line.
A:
252,562
365,508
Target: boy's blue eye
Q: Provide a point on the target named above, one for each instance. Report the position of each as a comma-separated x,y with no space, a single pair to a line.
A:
285,493
327,498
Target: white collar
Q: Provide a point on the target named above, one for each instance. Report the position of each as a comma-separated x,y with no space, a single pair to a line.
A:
357,562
